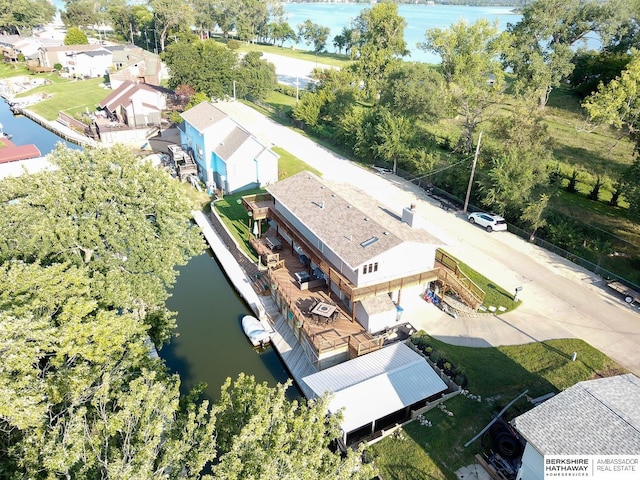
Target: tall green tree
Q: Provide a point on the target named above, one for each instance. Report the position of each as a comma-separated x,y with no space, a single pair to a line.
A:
534,215
379,43
20,16
125,221
226,15
256,76
261,434
75,36
540,44
413,90
313,33
473,74
253,17
618,104
80,13
206,66
170,14
393,134
80,396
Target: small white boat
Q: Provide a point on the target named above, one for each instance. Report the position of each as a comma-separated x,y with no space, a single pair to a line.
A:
253,329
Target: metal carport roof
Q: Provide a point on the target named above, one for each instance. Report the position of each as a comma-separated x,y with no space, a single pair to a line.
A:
377,384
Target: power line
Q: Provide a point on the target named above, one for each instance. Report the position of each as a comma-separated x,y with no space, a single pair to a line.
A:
441,169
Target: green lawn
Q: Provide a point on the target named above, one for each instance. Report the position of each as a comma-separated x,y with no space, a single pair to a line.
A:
68,96
233,214
289,165
322,59
497,375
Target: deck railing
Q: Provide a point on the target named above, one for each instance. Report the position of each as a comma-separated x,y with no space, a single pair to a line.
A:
452,276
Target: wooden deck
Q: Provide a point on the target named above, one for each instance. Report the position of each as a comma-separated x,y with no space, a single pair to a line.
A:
326,336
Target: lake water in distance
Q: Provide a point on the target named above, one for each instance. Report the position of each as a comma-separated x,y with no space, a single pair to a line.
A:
420,18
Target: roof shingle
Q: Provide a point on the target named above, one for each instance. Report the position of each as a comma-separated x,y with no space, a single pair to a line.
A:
595,417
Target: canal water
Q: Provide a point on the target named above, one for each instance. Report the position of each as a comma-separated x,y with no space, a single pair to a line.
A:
211,345
25,132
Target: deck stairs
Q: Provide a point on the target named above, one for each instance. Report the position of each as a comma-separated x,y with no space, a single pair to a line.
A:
286,344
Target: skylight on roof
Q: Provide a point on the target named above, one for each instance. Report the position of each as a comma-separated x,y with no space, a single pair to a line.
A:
368,242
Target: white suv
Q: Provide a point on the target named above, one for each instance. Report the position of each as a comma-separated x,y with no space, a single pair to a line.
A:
489,221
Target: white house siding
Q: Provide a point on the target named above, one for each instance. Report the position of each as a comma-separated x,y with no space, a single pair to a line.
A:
90,65
376,314
242,166
400,261
267,167
532,465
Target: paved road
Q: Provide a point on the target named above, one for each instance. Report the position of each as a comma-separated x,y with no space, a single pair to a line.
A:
560,299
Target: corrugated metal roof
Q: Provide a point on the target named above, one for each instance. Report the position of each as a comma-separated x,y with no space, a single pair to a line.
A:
596,417
395,376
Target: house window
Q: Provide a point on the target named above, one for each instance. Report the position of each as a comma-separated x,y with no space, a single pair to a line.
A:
372,267
199,152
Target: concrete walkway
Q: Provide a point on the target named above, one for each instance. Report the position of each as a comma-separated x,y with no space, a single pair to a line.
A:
560,299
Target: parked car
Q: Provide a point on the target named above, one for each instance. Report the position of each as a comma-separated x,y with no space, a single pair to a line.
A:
489,221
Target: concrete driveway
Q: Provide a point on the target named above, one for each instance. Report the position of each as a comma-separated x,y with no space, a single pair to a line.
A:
560,299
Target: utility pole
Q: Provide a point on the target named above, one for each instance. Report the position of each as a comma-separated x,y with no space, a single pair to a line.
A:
473,171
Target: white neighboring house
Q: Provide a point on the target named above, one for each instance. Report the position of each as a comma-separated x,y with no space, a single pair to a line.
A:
595,417
227,155
79,60
378,255
133,113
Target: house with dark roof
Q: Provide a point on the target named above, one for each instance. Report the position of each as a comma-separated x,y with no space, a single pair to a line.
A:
595,417
228,156
135,65
132,112
370,256
78,60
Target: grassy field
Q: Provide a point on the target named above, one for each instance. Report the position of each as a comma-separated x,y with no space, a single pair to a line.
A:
68,96
497,375
323,58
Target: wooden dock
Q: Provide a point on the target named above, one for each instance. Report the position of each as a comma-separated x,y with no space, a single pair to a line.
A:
288,347
283,338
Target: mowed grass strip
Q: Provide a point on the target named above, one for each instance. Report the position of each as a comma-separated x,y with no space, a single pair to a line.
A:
233,214
70,97
497,375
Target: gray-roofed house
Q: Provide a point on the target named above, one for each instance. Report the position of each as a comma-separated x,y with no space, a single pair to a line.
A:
595,417
228,156
78,60
371,257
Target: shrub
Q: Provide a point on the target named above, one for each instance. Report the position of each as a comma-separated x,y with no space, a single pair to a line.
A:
58,66
595,191
572,186
233,44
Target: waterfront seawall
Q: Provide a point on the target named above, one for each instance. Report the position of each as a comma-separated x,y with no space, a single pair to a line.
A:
230,266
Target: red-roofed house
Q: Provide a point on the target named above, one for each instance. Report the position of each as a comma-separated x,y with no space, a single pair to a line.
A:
9,152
